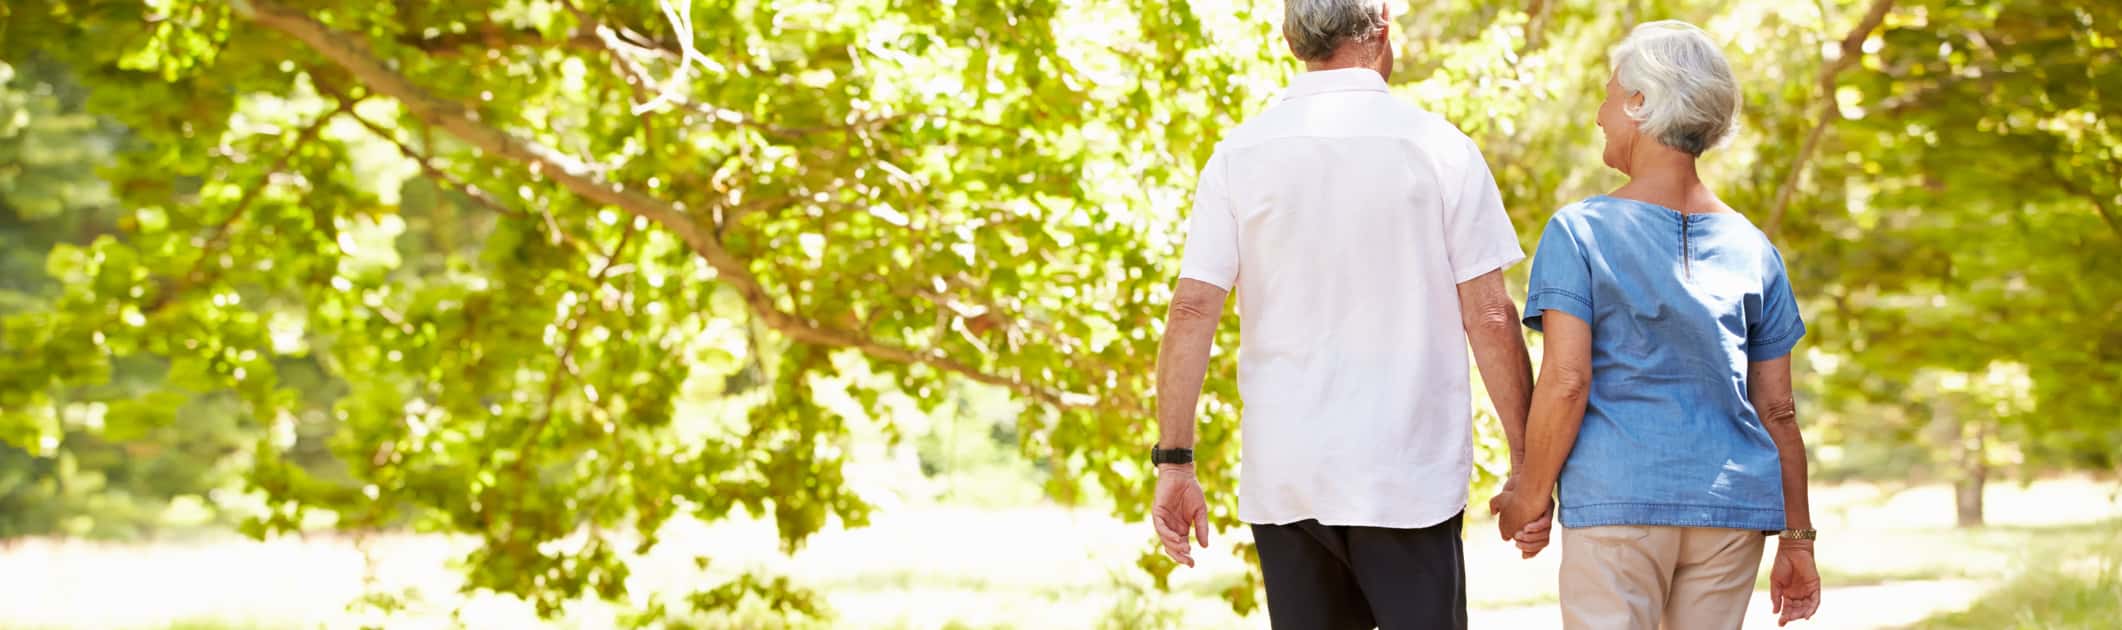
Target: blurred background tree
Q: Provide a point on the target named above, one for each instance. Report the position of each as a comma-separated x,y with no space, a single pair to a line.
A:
473,252
118,455
451,266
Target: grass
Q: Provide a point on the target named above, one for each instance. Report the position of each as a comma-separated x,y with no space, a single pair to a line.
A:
200,623
1535,599
2046,600
216,624
2062,585
1874,557
930,566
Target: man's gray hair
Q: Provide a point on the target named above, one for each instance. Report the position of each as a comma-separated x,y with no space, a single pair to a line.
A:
1316,28
1690,99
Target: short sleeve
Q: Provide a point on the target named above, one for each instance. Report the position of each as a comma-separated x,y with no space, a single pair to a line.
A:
1778,327
1561,278
1212,230
1481,238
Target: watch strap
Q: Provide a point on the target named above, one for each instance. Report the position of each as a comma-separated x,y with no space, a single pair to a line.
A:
1171,455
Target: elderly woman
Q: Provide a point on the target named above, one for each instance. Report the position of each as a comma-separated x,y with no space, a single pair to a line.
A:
1664,397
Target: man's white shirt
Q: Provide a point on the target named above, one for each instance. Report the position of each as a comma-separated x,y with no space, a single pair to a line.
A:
1345,219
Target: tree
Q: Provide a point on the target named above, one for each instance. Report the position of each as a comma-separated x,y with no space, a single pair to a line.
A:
1975,163
659,199
112,459
473,251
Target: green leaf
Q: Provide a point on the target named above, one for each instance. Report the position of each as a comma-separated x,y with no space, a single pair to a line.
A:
137,417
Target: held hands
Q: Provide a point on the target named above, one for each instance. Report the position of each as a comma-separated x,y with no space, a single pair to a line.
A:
1794,583
1178,509
1523,518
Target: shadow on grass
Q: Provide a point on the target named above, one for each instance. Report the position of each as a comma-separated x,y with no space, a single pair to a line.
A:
2070,577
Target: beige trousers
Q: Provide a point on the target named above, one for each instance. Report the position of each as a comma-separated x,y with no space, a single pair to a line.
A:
1644,578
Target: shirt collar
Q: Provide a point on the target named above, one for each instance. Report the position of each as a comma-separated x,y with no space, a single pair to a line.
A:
1338,80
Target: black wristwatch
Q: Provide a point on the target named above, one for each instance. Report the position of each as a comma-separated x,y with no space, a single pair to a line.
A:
1171,455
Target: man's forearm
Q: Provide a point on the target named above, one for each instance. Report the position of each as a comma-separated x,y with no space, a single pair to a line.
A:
1507,371
1182,359
1491,323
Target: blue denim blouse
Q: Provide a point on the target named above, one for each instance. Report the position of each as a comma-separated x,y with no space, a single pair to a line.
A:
1678,304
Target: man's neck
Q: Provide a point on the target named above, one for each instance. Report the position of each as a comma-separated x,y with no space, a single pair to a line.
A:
1348,57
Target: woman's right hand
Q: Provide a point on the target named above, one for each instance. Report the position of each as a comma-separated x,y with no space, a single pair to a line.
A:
1794,584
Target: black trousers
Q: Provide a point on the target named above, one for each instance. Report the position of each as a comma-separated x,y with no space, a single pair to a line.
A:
1330,577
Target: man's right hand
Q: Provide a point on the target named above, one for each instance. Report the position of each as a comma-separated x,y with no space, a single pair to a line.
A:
1177,510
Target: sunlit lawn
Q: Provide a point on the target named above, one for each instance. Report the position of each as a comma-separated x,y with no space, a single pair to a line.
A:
2080,590
2049,561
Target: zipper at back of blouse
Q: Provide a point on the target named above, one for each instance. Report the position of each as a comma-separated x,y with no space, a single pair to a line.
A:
1687,254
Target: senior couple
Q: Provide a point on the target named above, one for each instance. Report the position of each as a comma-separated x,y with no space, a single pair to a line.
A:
1366,241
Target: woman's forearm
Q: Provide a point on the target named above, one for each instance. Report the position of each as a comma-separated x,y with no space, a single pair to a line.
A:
1551,429
1790,450
1768,384
1558,401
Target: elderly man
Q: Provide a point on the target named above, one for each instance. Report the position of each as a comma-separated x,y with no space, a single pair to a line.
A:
1368,240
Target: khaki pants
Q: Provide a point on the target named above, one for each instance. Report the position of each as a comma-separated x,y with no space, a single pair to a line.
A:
1643,578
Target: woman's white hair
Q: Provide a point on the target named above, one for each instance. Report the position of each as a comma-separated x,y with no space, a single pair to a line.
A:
1690,99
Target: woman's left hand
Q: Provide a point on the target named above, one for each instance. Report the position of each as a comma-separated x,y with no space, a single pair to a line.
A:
1794,584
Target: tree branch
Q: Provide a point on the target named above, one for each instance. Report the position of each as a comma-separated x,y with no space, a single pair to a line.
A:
198,273
588,181
465,188
638,80
605,41
493,37
1536,24
616,42
565,368
2100,204
488,38
1852,49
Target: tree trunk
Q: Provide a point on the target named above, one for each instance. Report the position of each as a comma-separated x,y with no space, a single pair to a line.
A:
1974,472
1967,497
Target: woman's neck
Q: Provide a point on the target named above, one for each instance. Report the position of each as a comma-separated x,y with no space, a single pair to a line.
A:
1668,178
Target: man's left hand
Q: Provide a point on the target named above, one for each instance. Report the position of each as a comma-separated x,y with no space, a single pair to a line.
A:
1177,510
1522,518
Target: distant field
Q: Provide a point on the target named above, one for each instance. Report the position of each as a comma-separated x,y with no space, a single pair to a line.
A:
1890,558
